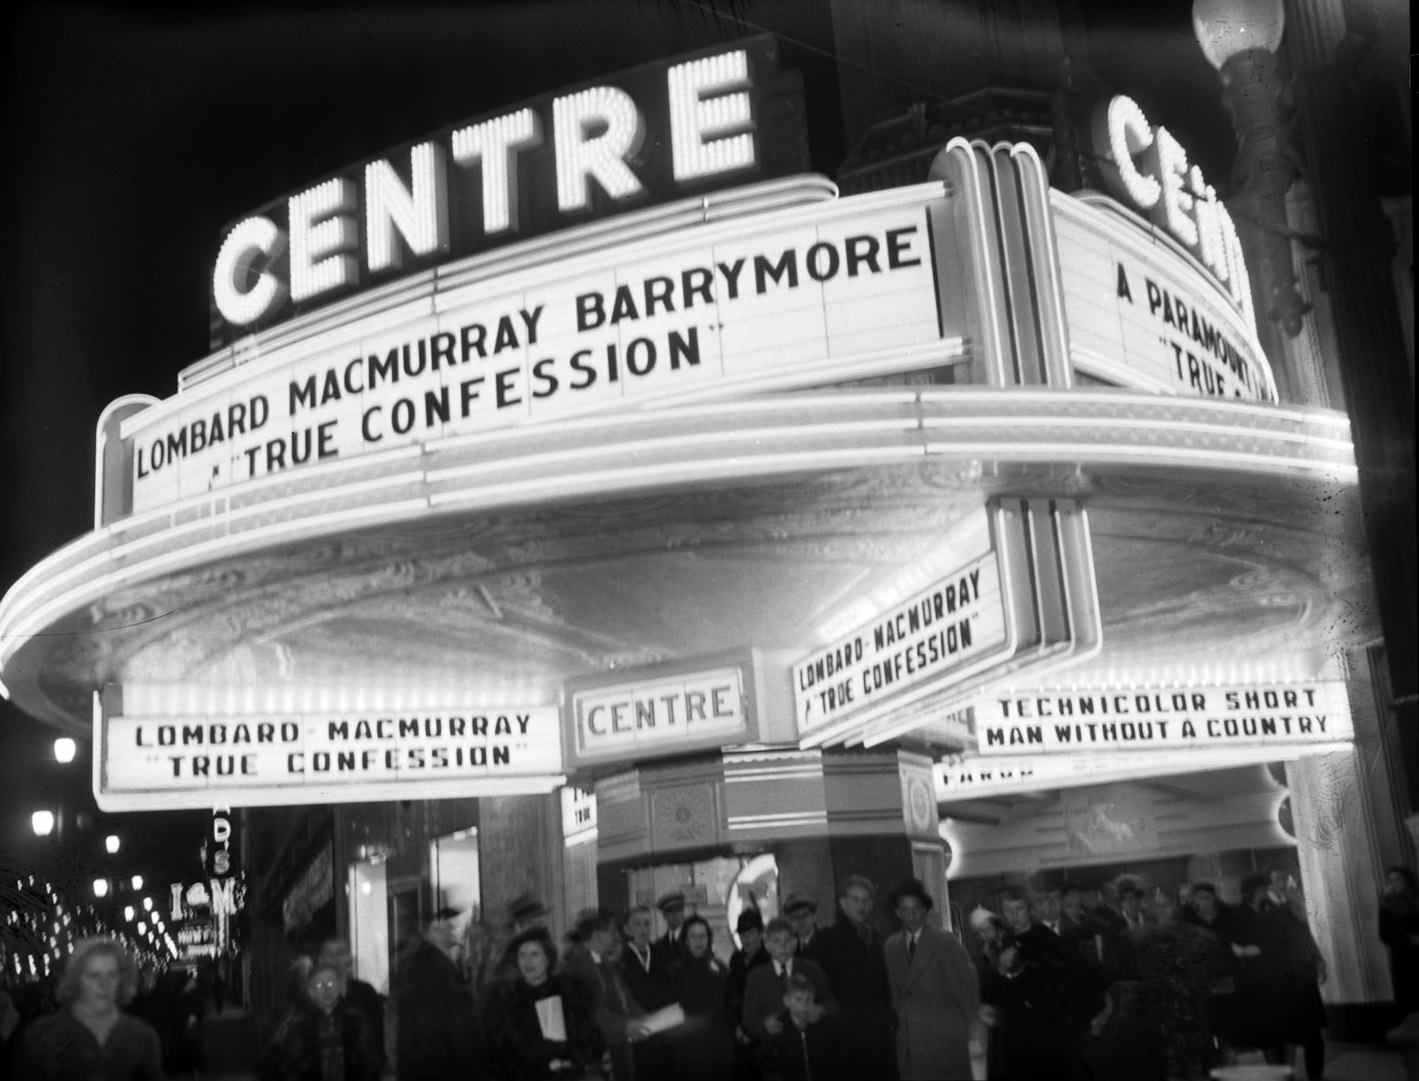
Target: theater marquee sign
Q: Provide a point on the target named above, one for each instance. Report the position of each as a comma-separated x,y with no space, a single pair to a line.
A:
160,762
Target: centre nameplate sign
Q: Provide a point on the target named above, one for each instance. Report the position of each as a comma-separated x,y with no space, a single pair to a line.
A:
807,296
160,762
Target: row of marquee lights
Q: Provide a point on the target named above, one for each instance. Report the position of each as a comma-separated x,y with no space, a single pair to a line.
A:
597,134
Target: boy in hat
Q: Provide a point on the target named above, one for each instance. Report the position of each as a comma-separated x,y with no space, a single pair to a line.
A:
802,913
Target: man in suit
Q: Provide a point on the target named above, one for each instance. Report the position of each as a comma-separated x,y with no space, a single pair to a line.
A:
850,952
935,991
590,960
438,1032
764,990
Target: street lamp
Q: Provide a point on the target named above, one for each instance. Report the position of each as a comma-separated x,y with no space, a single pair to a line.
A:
65,749
1240,39
137,882
100,887
111,843
42,823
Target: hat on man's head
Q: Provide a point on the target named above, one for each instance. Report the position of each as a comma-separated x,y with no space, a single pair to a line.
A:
526,907
797,903
911,887
749,920
670,901
448,912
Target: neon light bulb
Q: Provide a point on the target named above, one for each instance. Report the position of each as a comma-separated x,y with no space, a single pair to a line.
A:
1169,162
242,293
322,238
492,144
1128,134
419,213
699,107
603,157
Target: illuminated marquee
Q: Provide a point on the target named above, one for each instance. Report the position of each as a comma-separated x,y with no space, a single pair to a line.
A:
1085,720
550,163
165,762
1148,168
714,307
1142,314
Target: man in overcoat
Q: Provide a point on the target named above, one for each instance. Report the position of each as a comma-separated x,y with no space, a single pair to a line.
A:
437,1030
935,991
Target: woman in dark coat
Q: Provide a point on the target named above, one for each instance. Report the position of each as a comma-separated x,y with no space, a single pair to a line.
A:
702,1049
540,1024
327,1040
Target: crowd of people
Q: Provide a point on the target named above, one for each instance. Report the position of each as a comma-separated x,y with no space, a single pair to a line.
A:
1129,981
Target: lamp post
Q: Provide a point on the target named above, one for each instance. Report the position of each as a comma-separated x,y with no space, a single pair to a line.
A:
1347,138
1240,39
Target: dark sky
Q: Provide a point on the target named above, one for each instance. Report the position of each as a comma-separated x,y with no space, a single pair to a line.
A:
134,133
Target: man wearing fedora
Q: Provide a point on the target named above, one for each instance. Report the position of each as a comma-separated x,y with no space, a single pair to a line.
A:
437,1035
935,991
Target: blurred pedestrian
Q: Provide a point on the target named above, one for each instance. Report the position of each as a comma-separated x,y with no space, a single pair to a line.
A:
592,961
1399,931
935,990
437,1027
1176,961
90,1038
355,992
328,1040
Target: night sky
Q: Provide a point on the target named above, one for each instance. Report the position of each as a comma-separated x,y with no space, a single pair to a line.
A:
134,134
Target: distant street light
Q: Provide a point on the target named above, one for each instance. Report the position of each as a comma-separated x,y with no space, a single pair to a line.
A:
43,823
137,882
147,904
65,749
128,913
100,887
111,843
142,928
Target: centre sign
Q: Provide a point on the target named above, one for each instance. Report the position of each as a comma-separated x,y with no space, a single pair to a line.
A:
724,116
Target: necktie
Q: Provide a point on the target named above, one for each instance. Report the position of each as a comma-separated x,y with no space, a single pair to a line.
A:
783,977
911,948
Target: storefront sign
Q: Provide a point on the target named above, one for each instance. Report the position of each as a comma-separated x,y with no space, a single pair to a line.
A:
1146,167
933,634
660,711
578,815
1141,314
162,762
716,307
659,132
1279,714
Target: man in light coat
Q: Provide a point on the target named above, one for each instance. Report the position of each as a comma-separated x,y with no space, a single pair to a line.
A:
935,991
